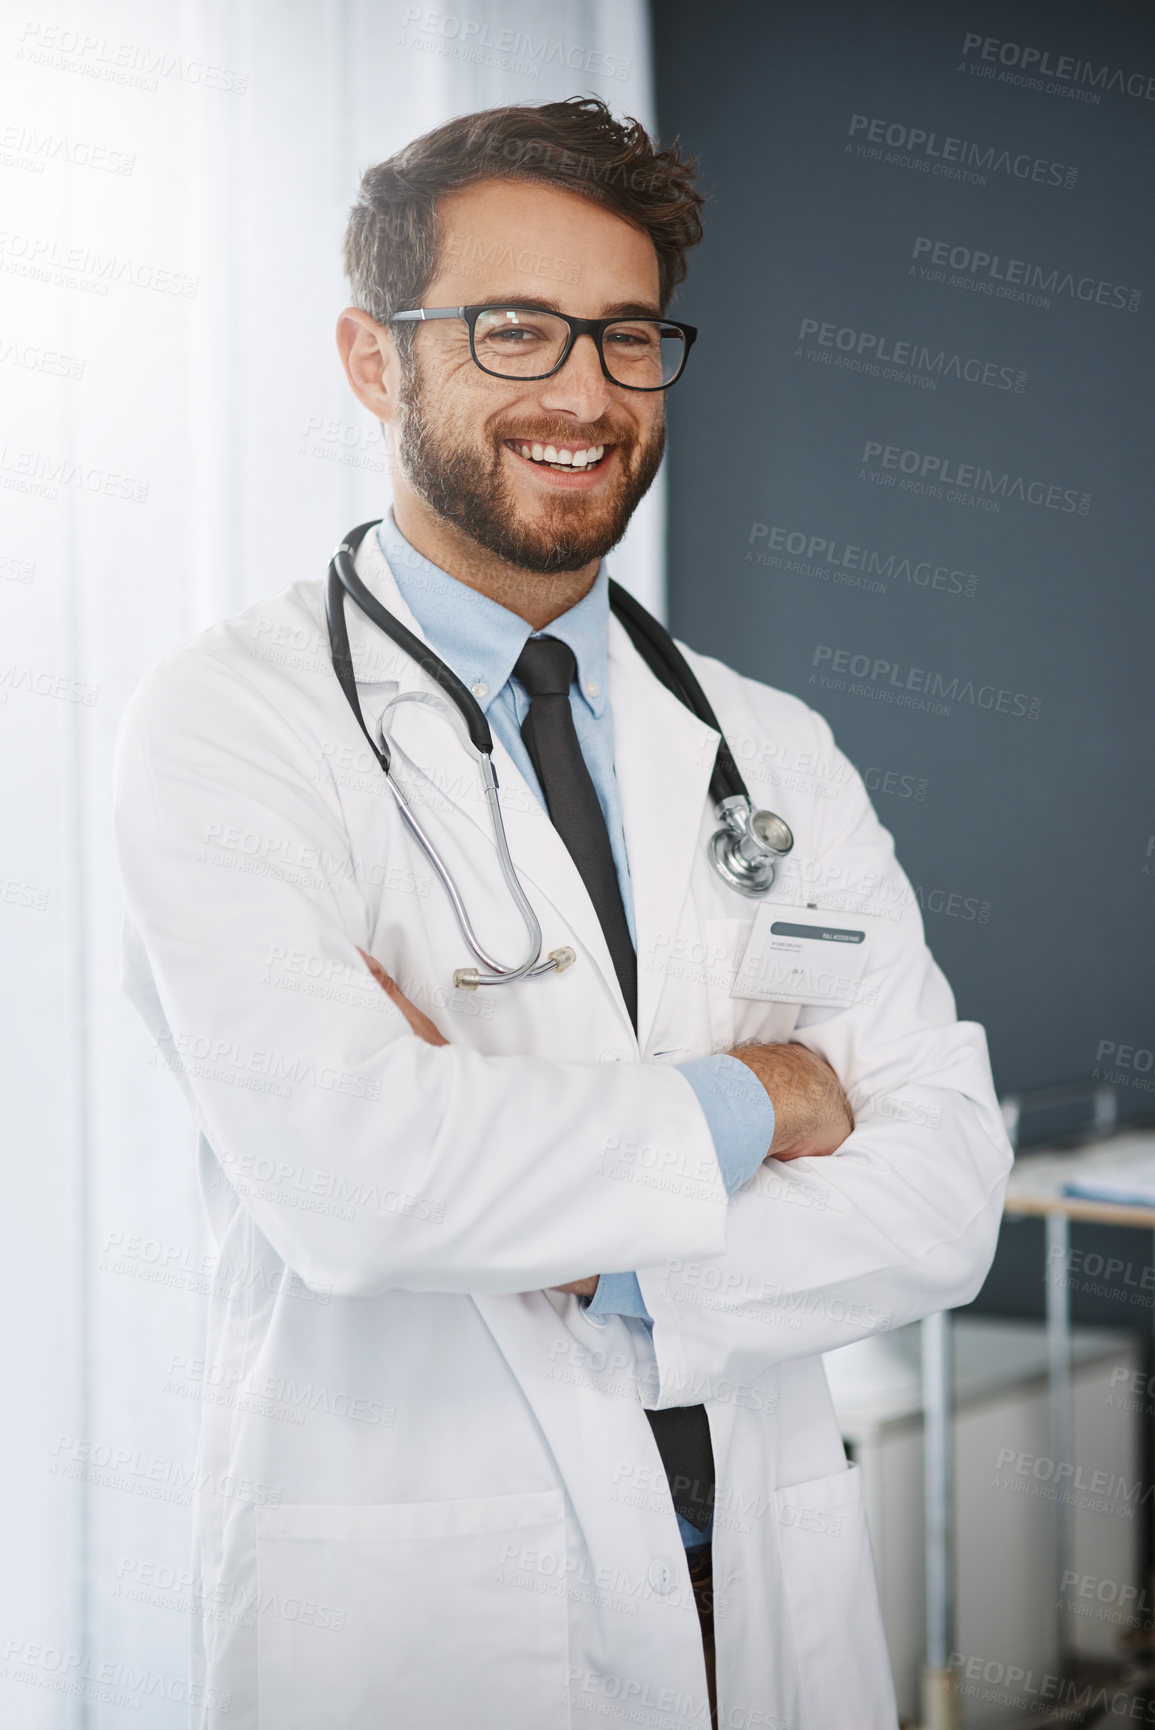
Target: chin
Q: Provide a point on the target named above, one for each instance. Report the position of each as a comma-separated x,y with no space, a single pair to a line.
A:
561,554
552,564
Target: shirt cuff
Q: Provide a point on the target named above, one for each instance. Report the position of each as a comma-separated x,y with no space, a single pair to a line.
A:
618,1294
738,1111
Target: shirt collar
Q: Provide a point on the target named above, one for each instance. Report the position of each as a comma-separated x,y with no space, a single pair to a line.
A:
480,639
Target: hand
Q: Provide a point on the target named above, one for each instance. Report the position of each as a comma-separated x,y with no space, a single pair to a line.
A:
582,1287
417,1018
812,1114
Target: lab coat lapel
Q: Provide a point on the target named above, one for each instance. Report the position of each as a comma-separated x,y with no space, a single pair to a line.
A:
436,747
663,757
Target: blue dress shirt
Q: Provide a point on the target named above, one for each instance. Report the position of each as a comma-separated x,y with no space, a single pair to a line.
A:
481,640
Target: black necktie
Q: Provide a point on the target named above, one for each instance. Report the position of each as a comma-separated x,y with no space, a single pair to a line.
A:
546,667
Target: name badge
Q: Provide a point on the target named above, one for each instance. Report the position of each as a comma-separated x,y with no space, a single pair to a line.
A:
804,955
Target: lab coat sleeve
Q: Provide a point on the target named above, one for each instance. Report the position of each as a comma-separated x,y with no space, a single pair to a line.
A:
368,1158
903,1219
741,1120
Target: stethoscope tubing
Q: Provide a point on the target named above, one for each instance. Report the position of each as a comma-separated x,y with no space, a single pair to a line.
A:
343,579
735,849
503,975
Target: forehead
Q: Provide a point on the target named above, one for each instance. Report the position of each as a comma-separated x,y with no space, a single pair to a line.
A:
522,237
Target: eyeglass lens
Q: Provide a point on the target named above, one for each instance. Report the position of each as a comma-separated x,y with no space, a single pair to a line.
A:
644,353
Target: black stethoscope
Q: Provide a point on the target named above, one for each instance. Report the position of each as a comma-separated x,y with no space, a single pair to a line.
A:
744,850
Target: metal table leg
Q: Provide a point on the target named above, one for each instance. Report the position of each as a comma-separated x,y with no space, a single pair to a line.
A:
1059,1358
939,1700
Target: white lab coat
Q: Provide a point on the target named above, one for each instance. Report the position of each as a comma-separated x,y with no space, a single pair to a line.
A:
429,1496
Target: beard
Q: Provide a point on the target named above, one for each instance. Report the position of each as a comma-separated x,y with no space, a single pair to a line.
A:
460,477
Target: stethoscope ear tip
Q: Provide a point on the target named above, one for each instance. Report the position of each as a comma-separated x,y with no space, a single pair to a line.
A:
469,978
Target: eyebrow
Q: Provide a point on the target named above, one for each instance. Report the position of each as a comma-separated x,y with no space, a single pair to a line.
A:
619,308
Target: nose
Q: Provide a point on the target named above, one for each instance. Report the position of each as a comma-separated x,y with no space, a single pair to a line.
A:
580,388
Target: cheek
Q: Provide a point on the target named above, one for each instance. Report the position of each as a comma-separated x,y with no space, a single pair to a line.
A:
651,428
480,410
459,415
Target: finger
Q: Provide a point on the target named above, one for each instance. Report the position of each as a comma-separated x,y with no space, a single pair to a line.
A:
824,1139
417,1019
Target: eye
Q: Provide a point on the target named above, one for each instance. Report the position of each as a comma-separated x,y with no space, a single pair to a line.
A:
632,336
512,329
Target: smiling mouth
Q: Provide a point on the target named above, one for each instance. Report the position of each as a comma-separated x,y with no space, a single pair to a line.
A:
573,459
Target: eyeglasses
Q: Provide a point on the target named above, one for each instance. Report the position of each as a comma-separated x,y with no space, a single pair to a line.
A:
524,342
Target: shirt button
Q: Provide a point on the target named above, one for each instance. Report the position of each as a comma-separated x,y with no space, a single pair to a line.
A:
662,1574
593,690
595,1321
613,1057
481,689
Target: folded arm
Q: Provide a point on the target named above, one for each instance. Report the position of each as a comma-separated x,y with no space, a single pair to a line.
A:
761,1102
368,1158
903,1218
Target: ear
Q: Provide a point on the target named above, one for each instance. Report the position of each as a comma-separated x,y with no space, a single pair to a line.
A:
369,356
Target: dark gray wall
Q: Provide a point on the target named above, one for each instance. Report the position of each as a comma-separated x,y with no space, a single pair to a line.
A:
1039,820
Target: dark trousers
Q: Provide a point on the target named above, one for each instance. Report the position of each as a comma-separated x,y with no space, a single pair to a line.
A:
702,1580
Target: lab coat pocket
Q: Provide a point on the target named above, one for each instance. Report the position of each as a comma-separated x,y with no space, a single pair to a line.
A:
732,1018
831,1596
407,1613
723,941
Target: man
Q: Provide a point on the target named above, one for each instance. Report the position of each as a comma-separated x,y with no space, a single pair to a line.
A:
523,1289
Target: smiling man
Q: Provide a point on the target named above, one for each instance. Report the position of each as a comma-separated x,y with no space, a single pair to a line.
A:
526,1268
518,492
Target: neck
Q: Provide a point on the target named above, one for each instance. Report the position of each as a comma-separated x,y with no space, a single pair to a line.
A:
534,597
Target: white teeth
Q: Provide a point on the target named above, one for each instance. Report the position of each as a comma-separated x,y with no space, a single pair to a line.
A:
563,457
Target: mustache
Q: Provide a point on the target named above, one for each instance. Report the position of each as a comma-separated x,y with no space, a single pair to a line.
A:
597,433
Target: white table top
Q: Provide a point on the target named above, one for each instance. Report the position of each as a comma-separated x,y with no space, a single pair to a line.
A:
1037,1179
878,1380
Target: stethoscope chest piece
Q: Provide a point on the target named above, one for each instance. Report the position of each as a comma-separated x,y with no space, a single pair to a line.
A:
748,846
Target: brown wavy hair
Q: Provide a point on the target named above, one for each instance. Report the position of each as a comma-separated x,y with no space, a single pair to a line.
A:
392,238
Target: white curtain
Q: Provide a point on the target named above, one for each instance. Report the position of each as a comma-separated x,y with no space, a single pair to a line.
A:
176,440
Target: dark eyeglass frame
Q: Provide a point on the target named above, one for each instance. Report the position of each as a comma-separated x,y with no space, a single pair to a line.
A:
595,327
